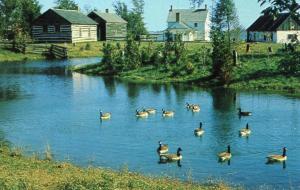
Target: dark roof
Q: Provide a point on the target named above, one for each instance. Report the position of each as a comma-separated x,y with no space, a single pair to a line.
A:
74,16
268,22
110,17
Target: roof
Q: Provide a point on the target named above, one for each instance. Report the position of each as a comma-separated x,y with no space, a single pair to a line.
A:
179,25
110,17
74,16
269,23
188,15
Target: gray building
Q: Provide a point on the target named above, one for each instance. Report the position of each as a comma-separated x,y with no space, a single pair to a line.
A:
110,25
57,25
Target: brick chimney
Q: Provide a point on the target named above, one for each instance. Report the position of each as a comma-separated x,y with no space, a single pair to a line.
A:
205,6
171,8
107,10
178,17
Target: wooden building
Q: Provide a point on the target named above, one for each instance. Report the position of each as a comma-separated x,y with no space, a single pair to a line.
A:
57,25
191,24
110,25
280,29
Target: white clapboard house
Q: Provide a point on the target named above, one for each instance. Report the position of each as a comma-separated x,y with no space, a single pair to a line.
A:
190,24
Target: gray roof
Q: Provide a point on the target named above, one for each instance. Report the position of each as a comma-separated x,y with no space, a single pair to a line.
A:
74,17
110,17
180,25
189,15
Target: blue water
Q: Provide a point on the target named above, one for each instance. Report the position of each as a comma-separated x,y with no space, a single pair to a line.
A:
43,103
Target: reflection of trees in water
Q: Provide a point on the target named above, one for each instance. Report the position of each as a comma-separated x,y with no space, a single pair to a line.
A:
156,88
224,116
10,92
110,85
224,99
133,90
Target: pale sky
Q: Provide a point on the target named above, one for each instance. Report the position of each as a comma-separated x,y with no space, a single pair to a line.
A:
156,11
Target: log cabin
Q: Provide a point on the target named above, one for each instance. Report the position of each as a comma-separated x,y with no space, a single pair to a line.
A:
57,25
110,25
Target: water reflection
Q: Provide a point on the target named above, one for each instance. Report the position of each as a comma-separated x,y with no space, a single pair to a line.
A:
224,99
110,85
9,92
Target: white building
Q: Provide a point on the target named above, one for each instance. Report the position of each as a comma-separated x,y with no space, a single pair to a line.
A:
281,29
191,24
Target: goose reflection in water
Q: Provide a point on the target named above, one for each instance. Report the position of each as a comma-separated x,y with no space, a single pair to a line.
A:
161,161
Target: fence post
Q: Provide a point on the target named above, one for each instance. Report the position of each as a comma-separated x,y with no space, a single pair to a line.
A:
235,57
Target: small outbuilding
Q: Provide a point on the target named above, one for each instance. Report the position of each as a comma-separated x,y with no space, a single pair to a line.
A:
57,25
110,25
282,28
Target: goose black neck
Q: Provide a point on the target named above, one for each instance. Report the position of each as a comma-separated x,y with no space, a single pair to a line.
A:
178,152
284,152
200,125
228,149
247,126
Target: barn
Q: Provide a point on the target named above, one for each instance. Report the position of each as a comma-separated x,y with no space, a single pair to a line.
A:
282,28
110,25
57,25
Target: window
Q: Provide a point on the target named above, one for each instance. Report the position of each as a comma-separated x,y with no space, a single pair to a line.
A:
51,29
80,32
196,25
45,29
57,28
292,36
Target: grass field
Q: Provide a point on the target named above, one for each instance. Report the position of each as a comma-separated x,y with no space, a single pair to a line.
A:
18,173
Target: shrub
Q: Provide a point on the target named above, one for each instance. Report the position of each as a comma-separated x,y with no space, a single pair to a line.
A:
88,46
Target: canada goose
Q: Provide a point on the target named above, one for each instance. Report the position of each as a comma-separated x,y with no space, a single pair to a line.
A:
196,108
189,106
141,113
150,110
162,149
167,113
278,158
243,113
199,131
245,131
104,116
172,157
223,156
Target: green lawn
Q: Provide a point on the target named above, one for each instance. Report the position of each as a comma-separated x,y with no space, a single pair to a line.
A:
18,173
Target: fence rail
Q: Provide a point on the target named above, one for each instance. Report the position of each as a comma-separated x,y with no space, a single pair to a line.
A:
58,52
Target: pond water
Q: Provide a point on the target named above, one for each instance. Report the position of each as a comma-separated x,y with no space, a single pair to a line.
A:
42,103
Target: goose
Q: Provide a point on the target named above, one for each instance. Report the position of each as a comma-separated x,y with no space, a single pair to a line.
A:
189,106
223,156
172,157
199,131
167,113
278,158
245,131
150,110
196,108
105,116
141,113
242,113
162,149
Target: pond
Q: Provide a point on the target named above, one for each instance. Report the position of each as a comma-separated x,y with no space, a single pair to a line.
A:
42,103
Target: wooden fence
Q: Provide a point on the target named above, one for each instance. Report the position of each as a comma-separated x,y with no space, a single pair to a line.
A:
58,52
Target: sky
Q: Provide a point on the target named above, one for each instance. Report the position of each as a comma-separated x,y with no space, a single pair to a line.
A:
156,11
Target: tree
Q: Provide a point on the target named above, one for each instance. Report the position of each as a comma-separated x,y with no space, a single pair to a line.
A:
16,16
134,17
277,6
196,3
224,23
66,4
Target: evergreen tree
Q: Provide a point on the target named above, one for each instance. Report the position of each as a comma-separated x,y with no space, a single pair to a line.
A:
224,22
66,4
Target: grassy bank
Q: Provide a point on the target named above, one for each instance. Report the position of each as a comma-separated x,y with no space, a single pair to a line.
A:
18,172
80,50
254,72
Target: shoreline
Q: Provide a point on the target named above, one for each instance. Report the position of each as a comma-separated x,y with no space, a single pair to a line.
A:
25,172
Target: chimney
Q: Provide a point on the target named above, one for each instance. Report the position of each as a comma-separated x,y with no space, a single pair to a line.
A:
171,8
178,17
205,6
107,10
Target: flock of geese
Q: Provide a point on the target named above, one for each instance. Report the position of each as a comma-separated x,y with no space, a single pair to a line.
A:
163,149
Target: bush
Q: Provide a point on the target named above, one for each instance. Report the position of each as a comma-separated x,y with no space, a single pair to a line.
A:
291,63
88,46
189,68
